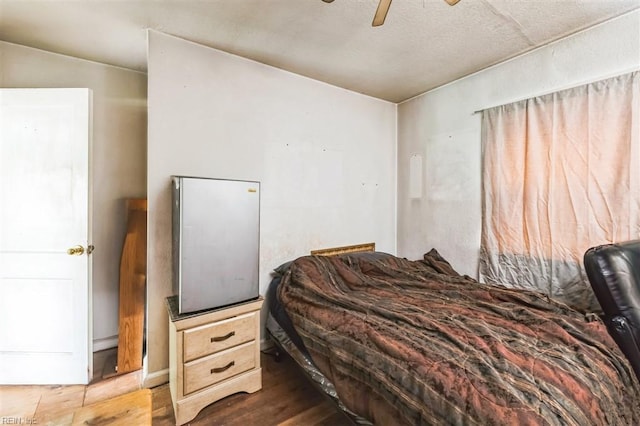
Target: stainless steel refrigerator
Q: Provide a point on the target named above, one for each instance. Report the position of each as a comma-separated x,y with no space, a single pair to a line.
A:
216,238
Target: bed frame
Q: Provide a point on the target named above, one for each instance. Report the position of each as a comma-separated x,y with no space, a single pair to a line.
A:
333,251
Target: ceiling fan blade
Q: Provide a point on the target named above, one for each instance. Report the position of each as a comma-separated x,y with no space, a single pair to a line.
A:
328,1
451,2
381,12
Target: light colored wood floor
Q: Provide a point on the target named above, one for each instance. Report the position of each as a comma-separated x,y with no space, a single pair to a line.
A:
55,404
287,398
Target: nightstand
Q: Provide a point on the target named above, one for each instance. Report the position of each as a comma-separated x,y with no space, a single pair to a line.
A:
212,354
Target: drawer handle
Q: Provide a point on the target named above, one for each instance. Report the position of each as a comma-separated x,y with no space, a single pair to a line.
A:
221,369
221,338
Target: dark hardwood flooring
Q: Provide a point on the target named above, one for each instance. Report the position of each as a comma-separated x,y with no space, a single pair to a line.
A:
286,398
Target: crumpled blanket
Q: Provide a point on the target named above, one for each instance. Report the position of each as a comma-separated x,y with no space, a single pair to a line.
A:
414,342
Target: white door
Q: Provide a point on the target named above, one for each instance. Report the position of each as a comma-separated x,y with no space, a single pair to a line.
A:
45,310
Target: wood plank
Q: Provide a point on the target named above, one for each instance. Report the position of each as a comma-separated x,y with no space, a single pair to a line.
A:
130,409
109,388
132,288
20,401
162,406
356,248
310,416
58,401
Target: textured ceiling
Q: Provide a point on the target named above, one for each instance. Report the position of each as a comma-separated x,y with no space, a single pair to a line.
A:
423,43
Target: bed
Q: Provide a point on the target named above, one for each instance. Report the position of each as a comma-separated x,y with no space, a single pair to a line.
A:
394,341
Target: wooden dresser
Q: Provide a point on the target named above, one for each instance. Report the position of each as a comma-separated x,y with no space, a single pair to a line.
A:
212,354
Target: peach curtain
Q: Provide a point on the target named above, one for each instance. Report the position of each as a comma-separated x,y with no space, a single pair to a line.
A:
561,173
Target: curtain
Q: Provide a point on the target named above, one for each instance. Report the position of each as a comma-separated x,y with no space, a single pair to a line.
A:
561,173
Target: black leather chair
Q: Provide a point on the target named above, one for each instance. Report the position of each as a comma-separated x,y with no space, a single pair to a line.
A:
614,274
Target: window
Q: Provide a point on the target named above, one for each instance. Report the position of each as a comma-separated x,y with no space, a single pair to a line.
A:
561,173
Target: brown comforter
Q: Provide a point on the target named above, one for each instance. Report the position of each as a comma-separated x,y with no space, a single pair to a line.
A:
413,342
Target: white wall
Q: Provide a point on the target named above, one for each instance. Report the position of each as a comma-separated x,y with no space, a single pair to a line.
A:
326,159
119,153
441,126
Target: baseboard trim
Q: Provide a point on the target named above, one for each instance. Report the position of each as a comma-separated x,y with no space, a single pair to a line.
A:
157,378
105,343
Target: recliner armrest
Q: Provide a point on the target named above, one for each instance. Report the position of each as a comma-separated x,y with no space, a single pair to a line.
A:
620,330
614,274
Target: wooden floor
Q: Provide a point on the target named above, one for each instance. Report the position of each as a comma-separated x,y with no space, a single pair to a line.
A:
56,404
286,398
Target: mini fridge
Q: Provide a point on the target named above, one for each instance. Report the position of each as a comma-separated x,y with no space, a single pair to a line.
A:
216,239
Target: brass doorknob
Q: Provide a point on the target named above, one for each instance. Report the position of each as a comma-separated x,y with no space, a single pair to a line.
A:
75,251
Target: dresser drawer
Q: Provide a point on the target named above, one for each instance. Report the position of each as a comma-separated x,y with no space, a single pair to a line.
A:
212,338
215,368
